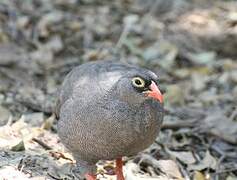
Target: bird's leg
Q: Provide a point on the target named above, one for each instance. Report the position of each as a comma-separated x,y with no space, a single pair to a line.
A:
90,177
119,169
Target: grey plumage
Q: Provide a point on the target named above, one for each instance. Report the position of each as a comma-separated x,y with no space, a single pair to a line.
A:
102,117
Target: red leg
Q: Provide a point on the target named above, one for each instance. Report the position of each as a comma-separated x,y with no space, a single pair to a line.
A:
90,177
119,169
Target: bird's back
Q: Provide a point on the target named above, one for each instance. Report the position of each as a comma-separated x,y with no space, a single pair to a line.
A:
91,79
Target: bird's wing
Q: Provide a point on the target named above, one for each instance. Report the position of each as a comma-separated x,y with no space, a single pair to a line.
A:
63,94
95,78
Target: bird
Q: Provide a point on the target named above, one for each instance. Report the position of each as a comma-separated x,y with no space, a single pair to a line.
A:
107,110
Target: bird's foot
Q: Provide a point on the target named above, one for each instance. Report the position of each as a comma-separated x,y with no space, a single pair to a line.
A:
90,177
119,169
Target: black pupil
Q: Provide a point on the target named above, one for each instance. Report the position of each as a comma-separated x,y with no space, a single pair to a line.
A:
138,82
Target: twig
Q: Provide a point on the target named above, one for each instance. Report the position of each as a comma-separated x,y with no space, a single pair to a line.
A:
41,143
59,155
178,125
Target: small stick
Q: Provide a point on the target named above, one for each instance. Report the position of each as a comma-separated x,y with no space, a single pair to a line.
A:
41,143
178,125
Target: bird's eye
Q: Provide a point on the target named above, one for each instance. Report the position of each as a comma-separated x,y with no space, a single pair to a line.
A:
138,82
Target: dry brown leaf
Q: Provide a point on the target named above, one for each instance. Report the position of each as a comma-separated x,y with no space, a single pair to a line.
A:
198,176
48,123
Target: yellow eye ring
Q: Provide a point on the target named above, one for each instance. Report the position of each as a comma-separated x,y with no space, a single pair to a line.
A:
138,82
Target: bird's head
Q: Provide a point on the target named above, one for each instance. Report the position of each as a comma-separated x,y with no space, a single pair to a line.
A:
136,87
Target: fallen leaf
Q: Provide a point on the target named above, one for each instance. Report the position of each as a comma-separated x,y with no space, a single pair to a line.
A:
48,20
167,168
231,178
4,115
204,58
55,44
34,119
48,123
219,125
174,94
208,162
198,176
198,81
10,173
62,172
170,168
162,53
132,172
42,56
19,147
10,54
184,156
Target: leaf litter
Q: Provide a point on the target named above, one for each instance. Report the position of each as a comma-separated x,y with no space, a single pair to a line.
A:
190,45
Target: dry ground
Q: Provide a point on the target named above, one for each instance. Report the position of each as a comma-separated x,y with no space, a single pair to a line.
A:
190,44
